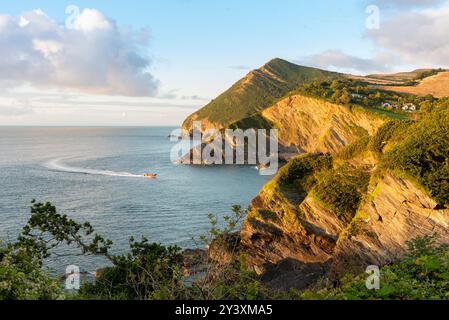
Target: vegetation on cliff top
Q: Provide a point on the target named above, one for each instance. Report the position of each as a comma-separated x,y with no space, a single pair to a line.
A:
338,188
342,189
417,149
423,153
350,92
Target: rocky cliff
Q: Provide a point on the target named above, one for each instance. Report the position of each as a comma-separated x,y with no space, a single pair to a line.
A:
395,212
356,196
293,239
355,186
314,125
311,125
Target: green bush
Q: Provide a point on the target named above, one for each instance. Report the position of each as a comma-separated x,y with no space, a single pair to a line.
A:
422,274
424,154
342,189
149,271
354,149
389,131
304,166
23,278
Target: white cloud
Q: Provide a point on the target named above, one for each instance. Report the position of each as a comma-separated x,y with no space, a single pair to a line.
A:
406,3
418,37
94,57
23,22
339,61
90,20
413,37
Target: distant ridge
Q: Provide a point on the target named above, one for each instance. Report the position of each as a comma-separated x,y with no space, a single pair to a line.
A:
417,74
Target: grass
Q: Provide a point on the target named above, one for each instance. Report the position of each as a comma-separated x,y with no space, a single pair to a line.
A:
259,90
387,113
342,189
436,85
356,148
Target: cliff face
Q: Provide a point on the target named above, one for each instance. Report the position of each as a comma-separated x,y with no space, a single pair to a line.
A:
343,201
396,212
297,230
293,235
310,125
284,226
313,125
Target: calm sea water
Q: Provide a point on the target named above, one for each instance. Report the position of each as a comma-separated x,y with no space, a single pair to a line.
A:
93,174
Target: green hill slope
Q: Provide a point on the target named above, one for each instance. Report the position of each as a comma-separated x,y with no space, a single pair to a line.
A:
258,90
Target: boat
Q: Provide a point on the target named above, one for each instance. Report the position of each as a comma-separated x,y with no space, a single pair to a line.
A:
150,175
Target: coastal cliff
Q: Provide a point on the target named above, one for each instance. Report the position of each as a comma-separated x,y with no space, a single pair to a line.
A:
308,124
258,90
313,125
356,186
287,232
327,215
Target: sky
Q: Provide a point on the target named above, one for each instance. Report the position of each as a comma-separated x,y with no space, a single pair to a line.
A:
153,63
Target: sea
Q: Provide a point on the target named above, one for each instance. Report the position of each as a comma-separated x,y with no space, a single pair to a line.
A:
95,174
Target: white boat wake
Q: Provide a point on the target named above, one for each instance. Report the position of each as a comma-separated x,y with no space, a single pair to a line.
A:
58,165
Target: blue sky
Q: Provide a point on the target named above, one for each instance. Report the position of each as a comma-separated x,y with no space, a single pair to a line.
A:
198,48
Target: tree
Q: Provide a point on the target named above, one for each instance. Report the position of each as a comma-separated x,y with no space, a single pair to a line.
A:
149,270
345,98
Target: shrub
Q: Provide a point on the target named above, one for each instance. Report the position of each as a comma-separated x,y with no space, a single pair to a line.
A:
342,190
304,166
389,131
150,270
22,277
354,149
423,273
424,154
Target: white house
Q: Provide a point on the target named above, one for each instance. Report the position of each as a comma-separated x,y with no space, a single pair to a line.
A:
357,96
409,107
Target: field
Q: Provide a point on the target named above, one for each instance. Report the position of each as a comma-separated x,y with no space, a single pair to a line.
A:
437,85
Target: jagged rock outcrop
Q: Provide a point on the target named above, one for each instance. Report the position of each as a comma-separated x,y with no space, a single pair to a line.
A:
310,125
297,234
397,211
314,125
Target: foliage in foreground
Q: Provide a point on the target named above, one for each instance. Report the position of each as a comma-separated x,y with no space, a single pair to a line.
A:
22,277
152,271
423,274
148,271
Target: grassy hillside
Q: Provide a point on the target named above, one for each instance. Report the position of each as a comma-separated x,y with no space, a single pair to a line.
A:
423,154
257,91
436,85
417,150
241,105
